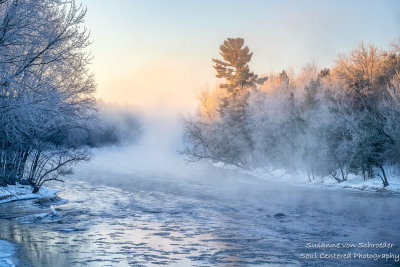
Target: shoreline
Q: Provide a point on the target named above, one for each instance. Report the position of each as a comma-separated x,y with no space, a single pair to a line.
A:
354,183
12,253
20,192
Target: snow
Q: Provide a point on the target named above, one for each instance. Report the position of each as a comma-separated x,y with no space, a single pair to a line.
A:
356,182
7,251
23,192
353,182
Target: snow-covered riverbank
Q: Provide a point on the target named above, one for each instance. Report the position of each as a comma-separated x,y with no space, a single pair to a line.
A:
353,182
10,253
23,192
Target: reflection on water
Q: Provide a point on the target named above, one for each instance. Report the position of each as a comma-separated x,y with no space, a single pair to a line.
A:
196,216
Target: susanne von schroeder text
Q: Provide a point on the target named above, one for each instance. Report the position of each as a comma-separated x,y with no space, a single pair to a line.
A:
350,245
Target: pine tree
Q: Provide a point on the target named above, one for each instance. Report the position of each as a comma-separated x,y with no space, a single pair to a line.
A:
235,70
239,81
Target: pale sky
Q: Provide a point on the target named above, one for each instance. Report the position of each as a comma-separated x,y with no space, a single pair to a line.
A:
157,54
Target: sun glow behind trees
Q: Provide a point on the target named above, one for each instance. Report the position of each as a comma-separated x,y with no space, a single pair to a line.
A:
156,54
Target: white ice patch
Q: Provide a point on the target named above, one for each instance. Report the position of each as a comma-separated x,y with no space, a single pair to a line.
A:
7,250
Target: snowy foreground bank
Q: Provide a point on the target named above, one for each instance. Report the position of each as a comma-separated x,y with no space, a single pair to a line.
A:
23,192
10,254
354,182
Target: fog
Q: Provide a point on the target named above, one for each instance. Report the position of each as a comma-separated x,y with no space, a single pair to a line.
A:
158,145
142,203
232,215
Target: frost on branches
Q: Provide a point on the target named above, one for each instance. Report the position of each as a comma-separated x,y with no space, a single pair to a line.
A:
46,91
324,122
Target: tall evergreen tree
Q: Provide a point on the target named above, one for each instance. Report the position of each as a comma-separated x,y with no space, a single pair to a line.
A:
235,70
239,81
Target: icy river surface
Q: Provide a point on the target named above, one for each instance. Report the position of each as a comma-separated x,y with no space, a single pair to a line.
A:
152,211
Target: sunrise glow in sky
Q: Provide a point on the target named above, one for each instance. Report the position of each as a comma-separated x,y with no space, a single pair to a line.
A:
157,54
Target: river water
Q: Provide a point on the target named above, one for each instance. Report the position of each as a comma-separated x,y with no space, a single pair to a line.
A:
151,210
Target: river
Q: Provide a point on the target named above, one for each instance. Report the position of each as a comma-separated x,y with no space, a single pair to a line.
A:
128,208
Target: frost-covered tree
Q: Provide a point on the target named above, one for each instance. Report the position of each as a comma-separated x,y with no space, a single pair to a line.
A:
361,70
46,89
208,139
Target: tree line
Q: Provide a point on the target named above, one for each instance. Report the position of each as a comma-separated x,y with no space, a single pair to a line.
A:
330,121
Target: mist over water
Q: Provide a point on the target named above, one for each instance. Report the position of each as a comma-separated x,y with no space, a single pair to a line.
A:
238,210
144,204
156,148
